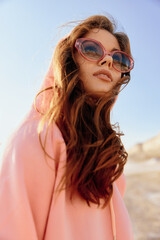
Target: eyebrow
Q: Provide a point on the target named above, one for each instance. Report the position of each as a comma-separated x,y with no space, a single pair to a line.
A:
113,49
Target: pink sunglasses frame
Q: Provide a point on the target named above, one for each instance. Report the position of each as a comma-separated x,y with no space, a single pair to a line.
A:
79,41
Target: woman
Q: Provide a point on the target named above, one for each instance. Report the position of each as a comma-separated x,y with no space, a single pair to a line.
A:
62,170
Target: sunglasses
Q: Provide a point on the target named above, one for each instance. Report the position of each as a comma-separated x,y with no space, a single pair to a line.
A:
93,50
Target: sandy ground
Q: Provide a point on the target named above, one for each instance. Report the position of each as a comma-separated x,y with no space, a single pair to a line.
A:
142,198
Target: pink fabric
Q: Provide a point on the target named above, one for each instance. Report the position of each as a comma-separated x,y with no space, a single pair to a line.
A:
30,209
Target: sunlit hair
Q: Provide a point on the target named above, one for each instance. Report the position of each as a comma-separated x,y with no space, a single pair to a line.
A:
95,153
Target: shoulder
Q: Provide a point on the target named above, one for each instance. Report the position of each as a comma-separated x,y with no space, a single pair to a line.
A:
23,145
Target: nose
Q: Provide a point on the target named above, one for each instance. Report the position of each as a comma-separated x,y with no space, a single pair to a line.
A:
107,60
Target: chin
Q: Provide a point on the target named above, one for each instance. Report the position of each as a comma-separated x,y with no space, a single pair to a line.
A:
100,90
103,90
99,93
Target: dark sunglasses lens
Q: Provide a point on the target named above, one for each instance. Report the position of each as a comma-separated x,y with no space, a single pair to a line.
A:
121,61
91,50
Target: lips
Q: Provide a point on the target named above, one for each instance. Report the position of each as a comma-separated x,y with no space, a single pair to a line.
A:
104,75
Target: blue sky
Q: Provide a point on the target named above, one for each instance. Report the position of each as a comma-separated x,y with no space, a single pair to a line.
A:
29,32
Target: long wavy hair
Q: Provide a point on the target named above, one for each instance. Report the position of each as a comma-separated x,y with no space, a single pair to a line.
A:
95,153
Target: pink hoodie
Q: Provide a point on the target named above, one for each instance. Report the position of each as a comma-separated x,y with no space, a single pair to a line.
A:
30,209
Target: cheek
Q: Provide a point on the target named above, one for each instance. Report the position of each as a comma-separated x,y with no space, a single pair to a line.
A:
85,73
79,59
117,76
84,69
81,64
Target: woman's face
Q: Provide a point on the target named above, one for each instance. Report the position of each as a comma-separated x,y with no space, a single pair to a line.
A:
88,72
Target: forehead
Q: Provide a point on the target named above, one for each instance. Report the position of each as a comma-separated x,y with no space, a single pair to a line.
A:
104,37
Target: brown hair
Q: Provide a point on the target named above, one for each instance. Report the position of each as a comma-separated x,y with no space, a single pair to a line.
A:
95,153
